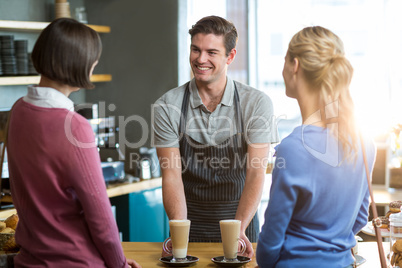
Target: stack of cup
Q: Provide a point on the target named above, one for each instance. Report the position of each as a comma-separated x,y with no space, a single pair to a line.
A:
21,54
7,54
62,9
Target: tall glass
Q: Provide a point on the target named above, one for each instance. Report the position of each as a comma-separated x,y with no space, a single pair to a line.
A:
230,234
179,232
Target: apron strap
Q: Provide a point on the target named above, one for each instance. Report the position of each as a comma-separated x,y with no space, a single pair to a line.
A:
184,110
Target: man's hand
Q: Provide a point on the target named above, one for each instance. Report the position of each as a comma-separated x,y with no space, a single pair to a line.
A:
249,247
168,247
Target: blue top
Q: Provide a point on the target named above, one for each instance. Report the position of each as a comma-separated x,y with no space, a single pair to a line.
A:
317,202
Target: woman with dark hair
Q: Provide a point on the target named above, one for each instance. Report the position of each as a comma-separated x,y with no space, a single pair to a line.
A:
319,196
65,217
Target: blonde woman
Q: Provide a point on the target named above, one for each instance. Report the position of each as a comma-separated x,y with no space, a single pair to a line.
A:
319,196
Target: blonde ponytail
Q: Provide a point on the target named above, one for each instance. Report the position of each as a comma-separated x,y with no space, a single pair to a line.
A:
322,58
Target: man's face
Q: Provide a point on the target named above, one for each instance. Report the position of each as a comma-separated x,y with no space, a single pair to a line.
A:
208,58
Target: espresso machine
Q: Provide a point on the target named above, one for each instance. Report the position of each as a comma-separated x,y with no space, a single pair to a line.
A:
144,163
106,133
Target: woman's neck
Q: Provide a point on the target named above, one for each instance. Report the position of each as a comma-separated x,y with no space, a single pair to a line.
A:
63,88
311,108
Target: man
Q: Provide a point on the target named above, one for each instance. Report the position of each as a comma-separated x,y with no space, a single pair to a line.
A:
212,137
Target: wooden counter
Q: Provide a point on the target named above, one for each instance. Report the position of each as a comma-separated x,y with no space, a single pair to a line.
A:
383,196
112,191
147,254
126,188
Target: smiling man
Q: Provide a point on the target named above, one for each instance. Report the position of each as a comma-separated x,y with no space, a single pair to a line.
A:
213,136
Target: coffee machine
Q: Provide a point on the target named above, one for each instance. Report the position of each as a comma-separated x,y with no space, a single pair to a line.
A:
106,133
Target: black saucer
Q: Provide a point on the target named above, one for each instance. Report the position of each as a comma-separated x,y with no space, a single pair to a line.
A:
240,261
168,260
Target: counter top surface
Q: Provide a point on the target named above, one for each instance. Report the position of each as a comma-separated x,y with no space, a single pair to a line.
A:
126,188
147,254
383,196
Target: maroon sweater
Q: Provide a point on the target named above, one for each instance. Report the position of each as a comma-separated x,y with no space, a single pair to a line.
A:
59,191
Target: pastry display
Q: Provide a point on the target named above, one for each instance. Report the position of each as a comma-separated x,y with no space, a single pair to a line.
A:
384,222
395,206
12,221
7,230
396,259
2,225
11,245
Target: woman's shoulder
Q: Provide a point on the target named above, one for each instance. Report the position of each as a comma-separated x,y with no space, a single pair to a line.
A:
77,127
291,143
293,138
304,139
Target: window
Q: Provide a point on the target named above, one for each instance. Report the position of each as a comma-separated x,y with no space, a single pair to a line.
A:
370,29
372,36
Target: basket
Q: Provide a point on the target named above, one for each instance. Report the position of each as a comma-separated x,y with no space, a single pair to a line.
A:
4,237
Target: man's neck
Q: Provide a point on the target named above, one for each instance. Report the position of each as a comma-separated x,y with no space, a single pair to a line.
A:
211,94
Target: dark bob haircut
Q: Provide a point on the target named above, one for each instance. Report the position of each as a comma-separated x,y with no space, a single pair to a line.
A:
66,51
217,26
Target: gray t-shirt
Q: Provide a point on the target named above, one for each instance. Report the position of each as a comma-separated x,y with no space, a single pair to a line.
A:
212,128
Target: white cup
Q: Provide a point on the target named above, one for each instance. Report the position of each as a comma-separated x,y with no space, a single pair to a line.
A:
230,234
179,232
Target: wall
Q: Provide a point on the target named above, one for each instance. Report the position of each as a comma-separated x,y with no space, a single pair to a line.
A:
140,53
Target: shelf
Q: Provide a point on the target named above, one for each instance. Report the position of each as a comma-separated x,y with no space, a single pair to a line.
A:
34,26
30,80
101,78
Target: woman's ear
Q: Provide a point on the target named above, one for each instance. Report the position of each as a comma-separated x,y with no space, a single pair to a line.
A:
296,65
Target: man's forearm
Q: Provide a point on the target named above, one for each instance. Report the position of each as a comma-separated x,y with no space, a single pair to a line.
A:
254,183
250,200
174,199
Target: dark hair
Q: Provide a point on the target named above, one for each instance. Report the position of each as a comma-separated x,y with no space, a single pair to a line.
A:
217,26
66,51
